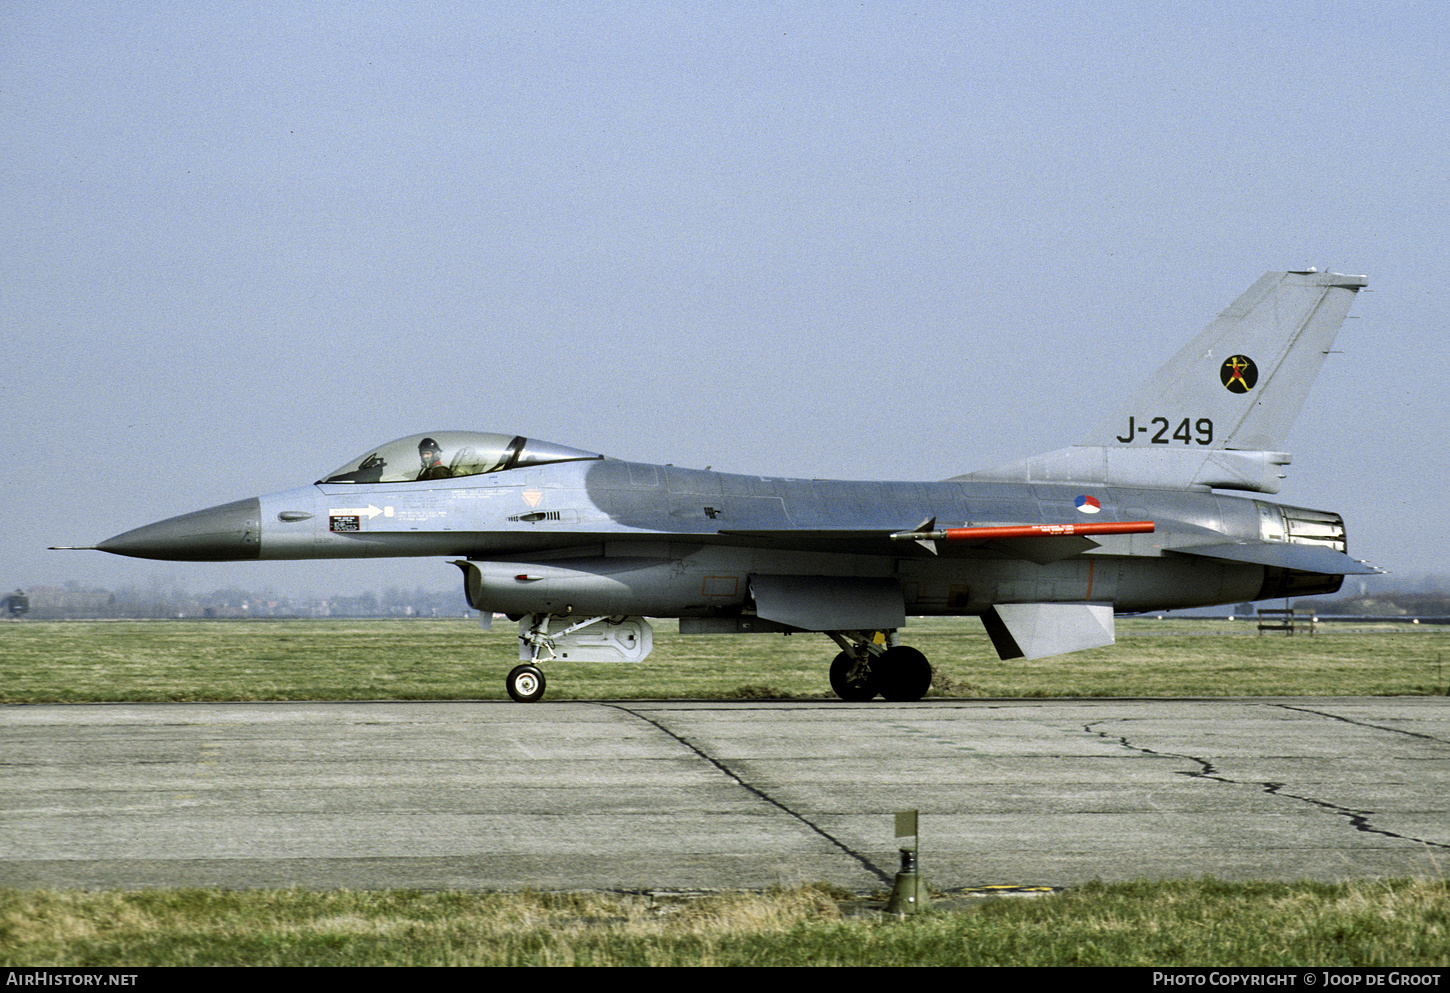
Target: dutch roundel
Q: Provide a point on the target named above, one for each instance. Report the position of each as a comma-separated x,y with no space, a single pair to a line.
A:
1088,504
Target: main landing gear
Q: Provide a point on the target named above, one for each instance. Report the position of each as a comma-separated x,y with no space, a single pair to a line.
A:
871,663
865,668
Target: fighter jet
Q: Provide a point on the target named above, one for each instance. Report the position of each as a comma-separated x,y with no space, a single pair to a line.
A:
580,548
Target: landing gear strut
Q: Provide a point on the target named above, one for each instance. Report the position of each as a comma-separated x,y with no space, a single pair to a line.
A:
526,682
865,668
852,680
602,638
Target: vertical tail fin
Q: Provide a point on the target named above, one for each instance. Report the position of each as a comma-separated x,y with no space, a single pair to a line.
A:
1241,383
1218,412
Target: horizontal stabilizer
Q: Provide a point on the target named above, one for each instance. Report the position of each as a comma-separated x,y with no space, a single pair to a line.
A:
830,603
1037,630
1302,558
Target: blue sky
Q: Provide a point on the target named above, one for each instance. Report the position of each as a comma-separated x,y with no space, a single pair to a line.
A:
244,242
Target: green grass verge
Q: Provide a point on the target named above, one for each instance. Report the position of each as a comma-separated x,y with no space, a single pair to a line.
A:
1192,923
452,659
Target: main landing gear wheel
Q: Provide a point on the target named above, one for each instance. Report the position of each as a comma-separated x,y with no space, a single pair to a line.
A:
525,683
902,674
855,689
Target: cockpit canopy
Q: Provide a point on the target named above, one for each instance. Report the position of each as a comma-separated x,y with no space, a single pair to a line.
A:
447,454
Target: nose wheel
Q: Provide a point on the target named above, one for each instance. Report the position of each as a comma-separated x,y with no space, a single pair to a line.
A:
525,683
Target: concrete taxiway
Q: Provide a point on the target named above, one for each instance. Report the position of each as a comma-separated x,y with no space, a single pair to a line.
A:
685,795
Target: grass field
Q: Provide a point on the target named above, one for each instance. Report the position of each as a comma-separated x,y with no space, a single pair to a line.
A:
1405,923
58,661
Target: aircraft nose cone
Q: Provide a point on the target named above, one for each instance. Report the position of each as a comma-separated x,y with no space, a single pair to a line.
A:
217,534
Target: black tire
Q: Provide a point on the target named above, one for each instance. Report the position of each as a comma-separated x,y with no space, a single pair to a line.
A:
525,683
857,690
903,674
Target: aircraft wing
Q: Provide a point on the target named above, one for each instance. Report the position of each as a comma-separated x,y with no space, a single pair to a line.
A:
1039,549
1042,548
1040,543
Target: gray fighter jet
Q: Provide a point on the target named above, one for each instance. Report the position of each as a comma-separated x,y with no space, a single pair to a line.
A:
579,548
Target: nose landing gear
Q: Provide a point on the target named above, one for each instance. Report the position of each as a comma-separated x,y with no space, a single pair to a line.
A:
602,638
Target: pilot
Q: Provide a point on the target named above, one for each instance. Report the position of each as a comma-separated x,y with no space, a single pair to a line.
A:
432,458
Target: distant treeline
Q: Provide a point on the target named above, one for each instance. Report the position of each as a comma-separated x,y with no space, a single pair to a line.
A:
1383,605
75,601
